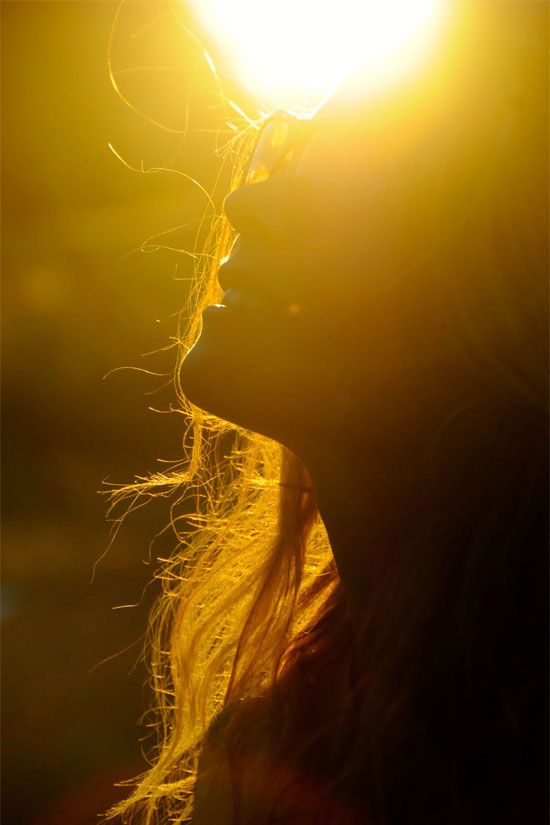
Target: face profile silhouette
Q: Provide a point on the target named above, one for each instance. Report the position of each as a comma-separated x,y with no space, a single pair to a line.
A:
337,286
362,605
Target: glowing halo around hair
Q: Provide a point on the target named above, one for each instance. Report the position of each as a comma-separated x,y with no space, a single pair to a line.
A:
293,53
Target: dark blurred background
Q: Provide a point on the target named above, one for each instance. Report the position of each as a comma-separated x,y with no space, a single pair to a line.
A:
84,293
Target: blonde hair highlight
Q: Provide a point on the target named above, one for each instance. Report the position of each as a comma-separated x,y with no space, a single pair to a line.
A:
229,603
252,590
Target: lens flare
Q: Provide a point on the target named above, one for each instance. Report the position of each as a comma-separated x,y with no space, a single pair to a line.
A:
295,52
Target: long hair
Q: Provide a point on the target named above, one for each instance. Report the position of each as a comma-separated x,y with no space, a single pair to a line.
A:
436,695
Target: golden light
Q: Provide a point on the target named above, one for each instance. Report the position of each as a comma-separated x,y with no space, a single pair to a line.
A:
294,53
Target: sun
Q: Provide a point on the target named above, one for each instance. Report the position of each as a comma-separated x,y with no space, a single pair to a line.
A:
293,53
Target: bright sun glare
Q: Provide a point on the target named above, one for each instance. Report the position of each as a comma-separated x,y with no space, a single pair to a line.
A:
295,52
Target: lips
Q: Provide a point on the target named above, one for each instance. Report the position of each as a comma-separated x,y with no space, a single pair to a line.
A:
239,299
235,273
242,290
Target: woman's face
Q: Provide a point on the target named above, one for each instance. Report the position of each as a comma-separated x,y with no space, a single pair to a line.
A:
335,319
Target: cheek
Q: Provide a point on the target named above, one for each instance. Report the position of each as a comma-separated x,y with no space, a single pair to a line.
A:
368,228
348,358
375,342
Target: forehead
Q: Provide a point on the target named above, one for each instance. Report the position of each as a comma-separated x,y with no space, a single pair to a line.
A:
346,147
344,163
338,156
331,170
362,181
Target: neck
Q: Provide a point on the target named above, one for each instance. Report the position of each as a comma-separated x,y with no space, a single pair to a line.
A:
373,503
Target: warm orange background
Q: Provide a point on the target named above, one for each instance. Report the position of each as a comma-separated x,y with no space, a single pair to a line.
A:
78,301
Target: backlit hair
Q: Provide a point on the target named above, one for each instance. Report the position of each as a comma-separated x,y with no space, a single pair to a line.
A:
438,714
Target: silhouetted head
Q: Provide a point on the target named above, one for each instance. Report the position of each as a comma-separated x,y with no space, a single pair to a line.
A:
390,261
386,295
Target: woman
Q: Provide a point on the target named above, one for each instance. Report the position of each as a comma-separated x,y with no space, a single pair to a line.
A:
355,632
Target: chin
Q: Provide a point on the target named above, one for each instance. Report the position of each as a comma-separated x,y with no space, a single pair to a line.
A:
212,380
258,388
